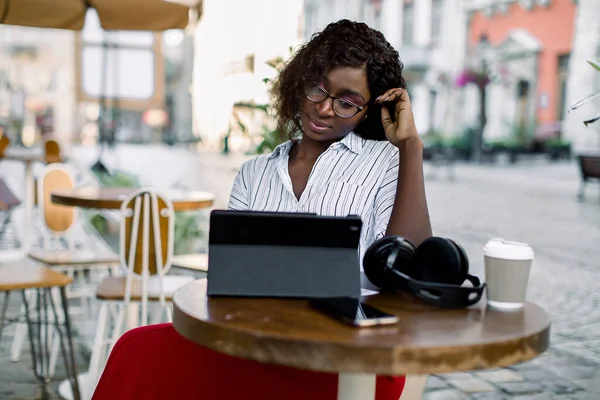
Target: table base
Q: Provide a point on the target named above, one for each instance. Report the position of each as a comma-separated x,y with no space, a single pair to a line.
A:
356,386
65,391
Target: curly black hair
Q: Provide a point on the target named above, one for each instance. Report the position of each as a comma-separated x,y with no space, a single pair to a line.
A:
341,44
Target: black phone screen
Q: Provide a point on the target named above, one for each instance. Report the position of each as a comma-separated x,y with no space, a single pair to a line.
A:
353,311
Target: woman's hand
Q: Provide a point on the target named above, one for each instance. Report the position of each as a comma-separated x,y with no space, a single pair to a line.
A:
402,128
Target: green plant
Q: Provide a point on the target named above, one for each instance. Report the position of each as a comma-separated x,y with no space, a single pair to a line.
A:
433,139
522,132
504,142
557,142
187,231
587,99
270,136
118,178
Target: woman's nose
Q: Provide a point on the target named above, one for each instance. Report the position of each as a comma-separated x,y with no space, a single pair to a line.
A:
325,108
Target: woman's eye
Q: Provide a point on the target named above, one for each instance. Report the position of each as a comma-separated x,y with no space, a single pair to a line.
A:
345,104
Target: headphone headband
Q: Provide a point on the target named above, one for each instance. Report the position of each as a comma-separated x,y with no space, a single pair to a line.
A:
441,294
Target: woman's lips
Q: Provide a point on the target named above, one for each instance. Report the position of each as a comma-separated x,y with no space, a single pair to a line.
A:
317,126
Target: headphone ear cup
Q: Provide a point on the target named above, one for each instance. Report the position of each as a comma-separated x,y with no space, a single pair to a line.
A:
376,258
464,259
439,260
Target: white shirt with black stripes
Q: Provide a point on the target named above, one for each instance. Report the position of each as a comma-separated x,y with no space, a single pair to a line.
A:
354,176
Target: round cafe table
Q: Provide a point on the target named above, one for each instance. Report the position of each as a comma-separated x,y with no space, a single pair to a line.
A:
426,340
112,198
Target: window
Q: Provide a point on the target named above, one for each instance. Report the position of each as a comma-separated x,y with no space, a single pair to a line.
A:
408,14
436,19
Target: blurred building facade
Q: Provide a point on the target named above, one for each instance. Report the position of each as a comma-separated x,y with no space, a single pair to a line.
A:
37,93
234,41
526,46
53,81
428,35
119,82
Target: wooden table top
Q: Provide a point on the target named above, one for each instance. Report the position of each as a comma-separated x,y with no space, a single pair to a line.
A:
427,339
112,198
27,154
19,275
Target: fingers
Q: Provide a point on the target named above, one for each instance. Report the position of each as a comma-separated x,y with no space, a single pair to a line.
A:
386,118
393,95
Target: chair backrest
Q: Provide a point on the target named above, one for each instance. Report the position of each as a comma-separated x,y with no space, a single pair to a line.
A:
146,241
8,199
57,219
589,166
52,153
4,142
154,362
147,224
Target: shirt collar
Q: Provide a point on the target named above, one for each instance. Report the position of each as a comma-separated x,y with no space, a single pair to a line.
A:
282,150
351,141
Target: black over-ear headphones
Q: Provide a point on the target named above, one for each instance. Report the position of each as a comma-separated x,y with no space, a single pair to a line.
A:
434,271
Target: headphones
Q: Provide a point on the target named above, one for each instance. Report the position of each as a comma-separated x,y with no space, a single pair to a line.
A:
435,271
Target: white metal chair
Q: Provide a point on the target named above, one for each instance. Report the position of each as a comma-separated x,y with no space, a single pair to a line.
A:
87,266
146,237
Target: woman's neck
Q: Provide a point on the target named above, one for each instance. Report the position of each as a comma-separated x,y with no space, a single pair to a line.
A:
309,150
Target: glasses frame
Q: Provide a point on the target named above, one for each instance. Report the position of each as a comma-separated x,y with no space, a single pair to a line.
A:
333,99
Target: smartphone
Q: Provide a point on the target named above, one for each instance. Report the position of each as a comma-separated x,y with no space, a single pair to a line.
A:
352,311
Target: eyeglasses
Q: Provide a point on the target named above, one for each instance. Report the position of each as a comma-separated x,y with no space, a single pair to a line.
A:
343,108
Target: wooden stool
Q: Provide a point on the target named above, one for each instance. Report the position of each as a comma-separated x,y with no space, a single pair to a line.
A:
22,276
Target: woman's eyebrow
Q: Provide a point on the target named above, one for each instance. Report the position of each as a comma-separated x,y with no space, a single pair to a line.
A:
351,92
344,91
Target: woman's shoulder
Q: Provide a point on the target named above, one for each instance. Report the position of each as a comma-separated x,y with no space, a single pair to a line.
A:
381,147
260,161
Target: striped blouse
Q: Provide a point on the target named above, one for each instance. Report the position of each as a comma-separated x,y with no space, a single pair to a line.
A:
352,177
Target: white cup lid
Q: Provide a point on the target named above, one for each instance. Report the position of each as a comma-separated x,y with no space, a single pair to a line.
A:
508,250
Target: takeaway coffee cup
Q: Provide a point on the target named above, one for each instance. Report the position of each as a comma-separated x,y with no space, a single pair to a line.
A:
507,266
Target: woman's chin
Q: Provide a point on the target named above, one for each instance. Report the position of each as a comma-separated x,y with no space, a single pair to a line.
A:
323,136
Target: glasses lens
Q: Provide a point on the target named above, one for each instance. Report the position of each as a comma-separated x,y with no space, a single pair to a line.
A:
314,92
344,109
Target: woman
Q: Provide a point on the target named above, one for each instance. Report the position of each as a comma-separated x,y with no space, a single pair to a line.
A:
358,152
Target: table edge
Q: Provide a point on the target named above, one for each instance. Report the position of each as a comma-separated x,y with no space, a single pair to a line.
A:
113,204
414,361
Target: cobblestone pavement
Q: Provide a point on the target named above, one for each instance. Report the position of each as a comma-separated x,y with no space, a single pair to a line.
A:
533,201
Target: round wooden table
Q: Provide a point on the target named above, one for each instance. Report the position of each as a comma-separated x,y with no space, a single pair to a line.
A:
112,198
427,339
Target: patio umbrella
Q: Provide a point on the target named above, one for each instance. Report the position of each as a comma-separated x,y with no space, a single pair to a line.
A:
143,15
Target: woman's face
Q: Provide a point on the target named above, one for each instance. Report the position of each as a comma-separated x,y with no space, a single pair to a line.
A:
319,120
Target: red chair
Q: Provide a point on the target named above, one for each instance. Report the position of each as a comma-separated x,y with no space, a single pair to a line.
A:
155,362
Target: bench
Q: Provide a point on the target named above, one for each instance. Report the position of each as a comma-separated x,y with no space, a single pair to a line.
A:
589,166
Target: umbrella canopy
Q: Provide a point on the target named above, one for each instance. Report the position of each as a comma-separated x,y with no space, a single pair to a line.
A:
143,15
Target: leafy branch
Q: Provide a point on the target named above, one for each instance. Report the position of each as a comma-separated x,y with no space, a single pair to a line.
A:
587,99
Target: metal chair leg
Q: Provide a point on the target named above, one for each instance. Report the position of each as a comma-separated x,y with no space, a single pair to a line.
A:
581,192
70,358
3,314
41,361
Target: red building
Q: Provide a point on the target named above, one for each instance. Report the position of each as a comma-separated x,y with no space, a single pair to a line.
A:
529,44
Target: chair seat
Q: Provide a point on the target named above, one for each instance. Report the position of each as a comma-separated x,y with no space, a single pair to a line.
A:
185,368
21,276
113,288
74,257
